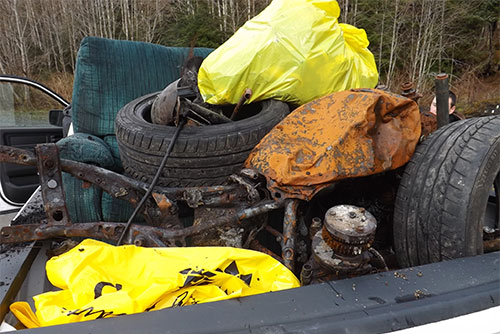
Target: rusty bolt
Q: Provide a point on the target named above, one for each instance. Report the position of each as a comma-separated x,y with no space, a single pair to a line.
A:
288,253
139,241
407,85
316,221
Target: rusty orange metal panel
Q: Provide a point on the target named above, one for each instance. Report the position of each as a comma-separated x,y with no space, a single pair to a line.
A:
343,135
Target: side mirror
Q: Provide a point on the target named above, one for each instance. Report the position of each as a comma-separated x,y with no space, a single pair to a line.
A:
56,117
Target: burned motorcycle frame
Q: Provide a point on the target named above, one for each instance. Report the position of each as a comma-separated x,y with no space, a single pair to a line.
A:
235,211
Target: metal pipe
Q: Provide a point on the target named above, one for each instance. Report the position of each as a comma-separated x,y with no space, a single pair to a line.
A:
274,232
379,258
210,115
247,94
289,233
114,231
442,99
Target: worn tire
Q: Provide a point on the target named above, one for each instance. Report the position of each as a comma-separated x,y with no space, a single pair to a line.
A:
204,155
442,198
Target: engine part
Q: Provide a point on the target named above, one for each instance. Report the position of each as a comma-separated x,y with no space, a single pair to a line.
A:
316,225
348,230
341,246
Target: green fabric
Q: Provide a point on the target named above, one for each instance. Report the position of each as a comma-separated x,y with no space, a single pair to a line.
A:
115,153
117,210
89,203
86,148
108,75
82,200
111,73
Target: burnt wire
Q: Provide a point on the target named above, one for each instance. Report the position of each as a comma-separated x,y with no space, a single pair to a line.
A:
138,208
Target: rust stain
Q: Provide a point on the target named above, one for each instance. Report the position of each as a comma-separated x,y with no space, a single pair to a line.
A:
343,135
86,185
162,201
429,123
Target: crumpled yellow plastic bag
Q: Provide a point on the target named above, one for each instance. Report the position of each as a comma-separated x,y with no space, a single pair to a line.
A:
294,51
99,280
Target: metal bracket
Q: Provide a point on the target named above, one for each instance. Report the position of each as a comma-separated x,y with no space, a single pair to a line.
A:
49,169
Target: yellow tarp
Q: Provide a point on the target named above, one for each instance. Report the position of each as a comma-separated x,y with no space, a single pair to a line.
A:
99,280
295,51
342,135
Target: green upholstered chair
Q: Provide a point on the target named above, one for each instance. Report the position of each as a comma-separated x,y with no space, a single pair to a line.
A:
108,75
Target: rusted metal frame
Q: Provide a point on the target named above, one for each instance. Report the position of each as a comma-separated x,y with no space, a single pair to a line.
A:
29,232
140,235
212,196
244,213
289,233
117,185
111,182
49,169
126,188
143,234
129,189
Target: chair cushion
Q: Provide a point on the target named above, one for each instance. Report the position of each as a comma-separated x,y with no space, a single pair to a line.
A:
86,148
82,200
112,143
111,73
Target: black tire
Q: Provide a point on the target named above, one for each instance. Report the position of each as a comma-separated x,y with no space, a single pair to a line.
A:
442,198
204,155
